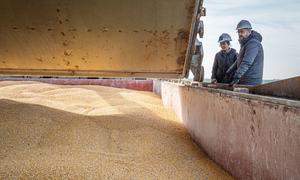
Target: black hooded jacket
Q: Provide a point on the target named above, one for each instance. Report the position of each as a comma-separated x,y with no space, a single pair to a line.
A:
222,62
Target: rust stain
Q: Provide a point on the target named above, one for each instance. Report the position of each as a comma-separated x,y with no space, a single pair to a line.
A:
31,28
105,29
183,34
181,40
148,43
164,38
180,60
39,59
252,128
191,10
68,52
84,59
165,32
148,31
65,43
73,29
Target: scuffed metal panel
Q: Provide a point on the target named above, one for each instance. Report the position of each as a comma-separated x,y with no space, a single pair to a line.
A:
252,137
95,37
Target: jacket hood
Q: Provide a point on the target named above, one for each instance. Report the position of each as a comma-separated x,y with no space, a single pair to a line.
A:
256,35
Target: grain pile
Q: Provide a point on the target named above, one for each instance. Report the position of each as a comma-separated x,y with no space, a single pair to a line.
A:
87,132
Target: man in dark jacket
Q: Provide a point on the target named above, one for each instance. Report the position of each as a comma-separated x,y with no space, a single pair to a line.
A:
223,61
250,63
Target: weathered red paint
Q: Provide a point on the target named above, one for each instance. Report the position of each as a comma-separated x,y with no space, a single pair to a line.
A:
140,85
251,136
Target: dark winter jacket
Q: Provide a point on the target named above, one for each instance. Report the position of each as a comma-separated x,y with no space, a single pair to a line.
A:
250,62
222,62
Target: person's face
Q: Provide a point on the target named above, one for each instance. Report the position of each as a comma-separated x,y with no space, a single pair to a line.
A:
244,33
224,46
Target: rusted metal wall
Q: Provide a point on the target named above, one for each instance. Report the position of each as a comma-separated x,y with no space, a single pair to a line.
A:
288,88
252,137
116,38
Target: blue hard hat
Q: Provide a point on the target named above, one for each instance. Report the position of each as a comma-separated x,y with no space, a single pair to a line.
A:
244,24
224,37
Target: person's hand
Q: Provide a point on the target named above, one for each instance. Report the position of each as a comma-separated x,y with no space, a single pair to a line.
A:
214,81
234,82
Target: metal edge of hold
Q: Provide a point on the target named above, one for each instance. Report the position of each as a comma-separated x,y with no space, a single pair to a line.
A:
193,33
75,70
285,88
259,98
94,73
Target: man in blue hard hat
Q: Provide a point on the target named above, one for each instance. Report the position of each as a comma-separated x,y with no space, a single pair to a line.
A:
223,61
250,63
